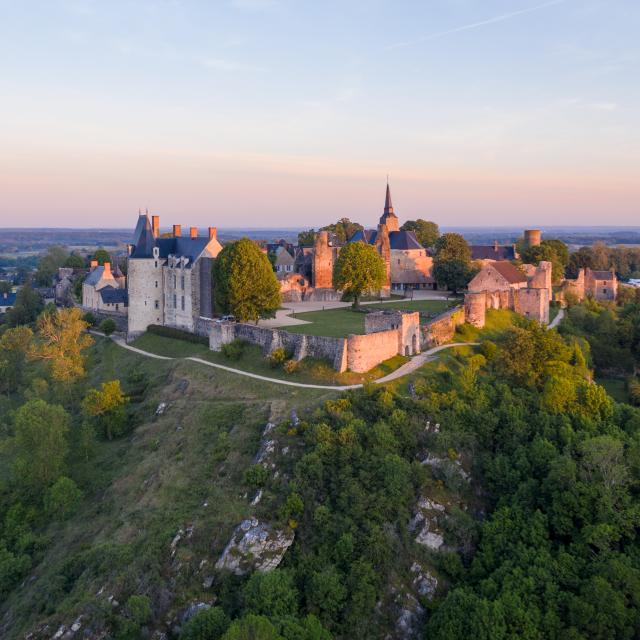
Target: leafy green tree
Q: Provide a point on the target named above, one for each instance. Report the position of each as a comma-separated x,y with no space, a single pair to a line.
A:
13,566
75,261
102,256
107,407
426,231
208,624
41,432
107,326
307,238
554,251
5,287
244,282
271,594
358,270
62,497
343,229
139,609
326,593
452,262
252,627
14,348
48,265
27,307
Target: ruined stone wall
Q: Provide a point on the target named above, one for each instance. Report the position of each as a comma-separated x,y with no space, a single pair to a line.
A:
411,266
300,345
601,289
532,303
383,246
406,323
202,326
366,351
442,328
475,308
119,319
542,277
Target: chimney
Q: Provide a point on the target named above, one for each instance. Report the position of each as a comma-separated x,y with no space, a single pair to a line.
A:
155,224
177,230
107,270
213,233
94,264
193,232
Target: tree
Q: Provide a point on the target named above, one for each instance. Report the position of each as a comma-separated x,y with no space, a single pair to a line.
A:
49,264
41,431
208,624
359,269
343,229
102,256
252,627
5,287
107,406
271,594
554,251
62,497
452,262
426,231
306,238
244,282
75,261
107,326
14,347
27,307
61,340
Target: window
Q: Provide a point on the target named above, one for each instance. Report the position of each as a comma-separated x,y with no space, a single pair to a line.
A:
182,282
156,264
182,303
174,301
156,284
174,281
157,304
116,307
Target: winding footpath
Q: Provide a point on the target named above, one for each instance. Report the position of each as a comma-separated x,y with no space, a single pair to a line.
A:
409,367
415,363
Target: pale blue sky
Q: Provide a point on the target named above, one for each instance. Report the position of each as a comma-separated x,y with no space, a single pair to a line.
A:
263,112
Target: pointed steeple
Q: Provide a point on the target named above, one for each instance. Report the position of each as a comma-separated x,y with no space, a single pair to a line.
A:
388,206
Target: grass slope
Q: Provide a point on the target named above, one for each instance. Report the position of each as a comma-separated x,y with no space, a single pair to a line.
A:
140,490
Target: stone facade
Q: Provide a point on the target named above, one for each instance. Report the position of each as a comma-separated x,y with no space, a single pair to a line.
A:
104,290
405,323
366,351
443,327
599,285
532,303
323,260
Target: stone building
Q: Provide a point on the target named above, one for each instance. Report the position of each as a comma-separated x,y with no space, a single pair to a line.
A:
501,285
104,290
169,277
484,254
599,285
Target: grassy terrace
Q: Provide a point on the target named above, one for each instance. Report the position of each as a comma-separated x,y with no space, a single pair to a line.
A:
309,370
339,323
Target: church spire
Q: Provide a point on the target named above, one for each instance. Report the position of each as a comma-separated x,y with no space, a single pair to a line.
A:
388,206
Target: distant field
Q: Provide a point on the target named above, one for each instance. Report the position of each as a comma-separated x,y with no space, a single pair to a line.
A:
339,323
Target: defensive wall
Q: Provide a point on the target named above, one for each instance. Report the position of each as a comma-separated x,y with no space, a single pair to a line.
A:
389,333
442,328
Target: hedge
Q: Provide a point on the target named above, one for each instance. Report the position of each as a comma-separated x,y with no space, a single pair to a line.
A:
178,334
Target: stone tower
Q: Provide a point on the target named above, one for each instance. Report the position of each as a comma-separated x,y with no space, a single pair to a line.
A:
383,246
532,238
322,261
389,218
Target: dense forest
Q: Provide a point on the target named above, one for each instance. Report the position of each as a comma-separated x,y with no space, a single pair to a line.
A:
530,469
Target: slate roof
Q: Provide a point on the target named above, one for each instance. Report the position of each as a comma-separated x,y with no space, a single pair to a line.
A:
510,273
490,252
401,240
7,299
143,239
95,276
112,295
603,275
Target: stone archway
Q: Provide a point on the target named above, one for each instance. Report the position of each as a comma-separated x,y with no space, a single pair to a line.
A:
406,350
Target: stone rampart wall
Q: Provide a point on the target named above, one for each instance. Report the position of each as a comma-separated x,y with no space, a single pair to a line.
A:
442,328
366,351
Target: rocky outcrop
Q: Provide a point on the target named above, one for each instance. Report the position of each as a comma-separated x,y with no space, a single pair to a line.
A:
426,523
254,546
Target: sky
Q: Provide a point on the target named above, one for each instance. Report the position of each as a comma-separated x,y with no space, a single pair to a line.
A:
291,113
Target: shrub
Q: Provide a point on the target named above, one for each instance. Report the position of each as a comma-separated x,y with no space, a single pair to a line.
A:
488,349
277,357
107,326
62,497
256,476
290,366
233,350
208,624
634,391
139,609
178,334
90,319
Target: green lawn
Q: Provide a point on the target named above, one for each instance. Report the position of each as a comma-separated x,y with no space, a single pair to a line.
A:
308,371
339,323
497,321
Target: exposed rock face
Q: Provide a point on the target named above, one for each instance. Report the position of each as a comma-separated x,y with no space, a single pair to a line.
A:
425,522
254,546
424,583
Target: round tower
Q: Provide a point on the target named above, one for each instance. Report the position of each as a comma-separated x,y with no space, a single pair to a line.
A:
532,238
475,307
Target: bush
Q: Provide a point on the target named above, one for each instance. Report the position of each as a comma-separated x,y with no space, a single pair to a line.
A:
256,476
90,319
170,332
139,609
233,350
208,624
290,366
488,349
62,497
277,357
634,391
107,326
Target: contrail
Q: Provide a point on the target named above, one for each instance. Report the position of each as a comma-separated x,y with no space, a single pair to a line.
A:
475,25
